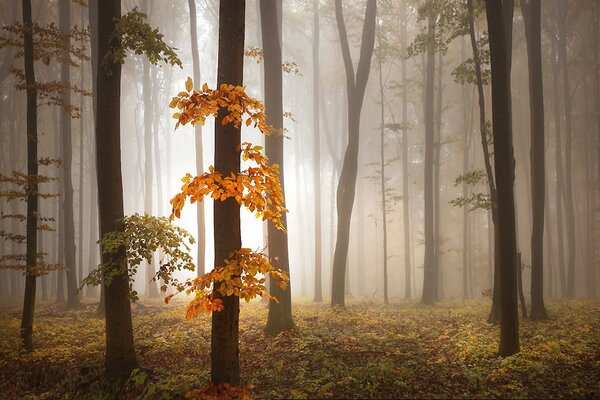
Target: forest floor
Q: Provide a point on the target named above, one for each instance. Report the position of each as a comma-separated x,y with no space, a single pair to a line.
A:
368,350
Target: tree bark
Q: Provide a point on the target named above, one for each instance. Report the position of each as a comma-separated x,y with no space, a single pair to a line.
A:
317,154
200,216
355,87
531,10
504,173
405,184
224,353
428,295
280,313
120,353
32,186
67,164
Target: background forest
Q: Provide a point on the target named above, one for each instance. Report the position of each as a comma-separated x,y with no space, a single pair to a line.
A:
412,187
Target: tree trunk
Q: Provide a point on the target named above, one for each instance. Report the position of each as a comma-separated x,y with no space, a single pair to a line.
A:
317,154
438,286
355,87
224,355
531,10
32,186
120,352
504,173
280,313
200,217
569,207
382,180
429,271
67,164
405,184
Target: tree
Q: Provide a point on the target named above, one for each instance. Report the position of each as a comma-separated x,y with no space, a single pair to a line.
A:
355,87
64,8
531,10
428,295
116,35
198,141
504,173
317,154
120,353
280,312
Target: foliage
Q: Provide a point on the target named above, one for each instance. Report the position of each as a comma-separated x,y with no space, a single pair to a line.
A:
16,187
475,201
257,188
50,45
143,236
238,276
465,71
403,350
132,33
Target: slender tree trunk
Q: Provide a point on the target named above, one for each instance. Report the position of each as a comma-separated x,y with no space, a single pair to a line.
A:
531,10
405,184
569,207
67,164
225,362
467,132
504,173
32,186
280,313
200,218
560,181
382,177
438,285
355,87
429,271
317,154
120,353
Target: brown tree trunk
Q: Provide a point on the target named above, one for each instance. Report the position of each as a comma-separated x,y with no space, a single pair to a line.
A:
280,313
355,87
531,10
504,173
67,163
120,353
405,190
224,353
429,271
32,186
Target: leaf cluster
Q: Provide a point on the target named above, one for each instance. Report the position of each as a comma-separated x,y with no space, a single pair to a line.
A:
133,33
242,275
142,237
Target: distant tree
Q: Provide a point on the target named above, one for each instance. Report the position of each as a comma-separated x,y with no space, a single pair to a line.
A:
531,10
504,172
355,86
198,141
280,313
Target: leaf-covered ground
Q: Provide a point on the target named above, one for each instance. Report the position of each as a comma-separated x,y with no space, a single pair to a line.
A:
365,351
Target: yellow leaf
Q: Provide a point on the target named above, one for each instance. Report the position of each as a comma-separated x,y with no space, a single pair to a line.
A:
189,85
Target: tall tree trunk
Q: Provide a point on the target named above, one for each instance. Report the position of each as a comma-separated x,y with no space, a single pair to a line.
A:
200,217
224,353
280,313
317,154
487,159
467,134
569,207
531,10
64,15
429,271
382,180
355,87
32,186
405,163
120,353
438,286
504,173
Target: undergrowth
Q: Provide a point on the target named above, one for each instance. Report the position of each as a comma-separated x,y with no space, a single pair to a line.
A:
364,351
